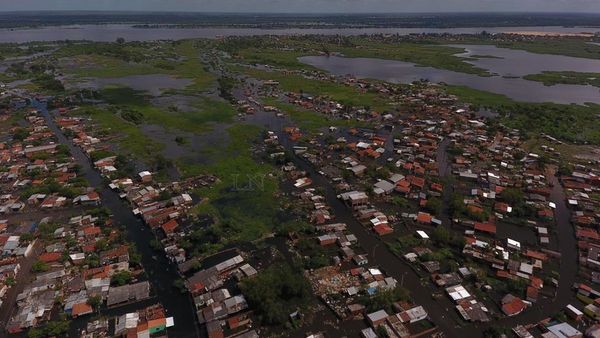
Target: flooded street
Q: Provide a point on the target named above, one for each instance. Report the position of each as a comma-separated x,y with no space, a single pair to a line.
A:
161,273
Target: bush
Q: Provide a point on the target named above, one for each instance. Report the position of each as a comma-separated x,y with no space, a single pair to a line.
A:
276,292
39,266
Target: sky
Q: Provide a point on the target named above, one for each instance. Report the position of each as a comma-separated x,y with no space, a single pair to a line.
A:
308,6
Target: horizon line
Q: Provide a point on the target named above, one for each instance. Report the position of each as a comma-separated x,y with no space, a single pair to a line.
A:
166,12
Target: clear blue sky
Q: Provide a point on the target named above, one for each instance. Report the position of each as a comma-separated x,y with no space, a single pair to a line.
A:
307,6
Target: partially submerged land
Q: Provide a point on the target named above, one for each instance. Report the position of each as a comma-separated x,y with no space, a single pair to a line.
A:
224,188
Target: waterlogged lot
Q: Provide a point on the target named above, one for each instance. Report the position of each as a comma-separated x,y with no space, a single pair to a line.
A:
154,84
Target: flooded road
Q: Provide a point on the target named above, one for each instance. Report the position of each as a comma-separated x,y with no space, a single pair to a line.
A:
161,273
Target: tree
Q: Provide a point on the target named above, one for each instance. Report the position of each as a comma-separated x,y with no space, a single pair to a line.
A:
57,328
95,301
512,196
120,40
121,278
440,235
276,292
434,205
384,299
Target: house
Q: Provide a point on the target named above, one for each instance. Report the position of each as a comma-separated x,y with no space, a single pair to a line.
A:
169,227
512,305
385,187
145,176
377,318
368,333
574,312
564,330
81,309
424,218
488,228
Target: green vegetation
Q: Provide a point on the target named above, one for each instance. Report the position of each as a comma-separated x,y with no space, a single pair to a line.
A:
121,278
118,59
275,57
131,139
314,255
338,92
310,120
575,47
243,203
420,53
385,299
567,46
58,328
52,187
570,78
101,66
39,266
130,108
49,83
95,301
277,292
572,123
284,51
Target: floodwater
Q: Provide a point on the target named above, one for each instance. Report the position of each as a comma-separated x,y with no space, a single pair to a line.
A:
405,72
151,83
193,149
113,31
161,273
511,62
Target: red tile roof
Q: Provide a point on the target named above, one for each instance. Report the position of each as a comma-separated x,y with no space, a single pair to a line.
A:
485,227
514,307
49,257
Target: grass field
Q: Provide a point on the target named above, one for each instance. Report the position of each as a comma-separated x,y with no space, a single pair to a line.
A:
104,66
571,78
180,59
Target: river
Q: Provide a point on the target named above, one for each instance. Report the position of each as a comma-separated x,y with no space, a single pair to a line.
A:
161,273
111,32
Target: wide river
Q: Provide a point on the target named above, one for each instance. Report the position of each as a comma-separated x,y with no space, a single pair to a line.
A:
113,31
508,64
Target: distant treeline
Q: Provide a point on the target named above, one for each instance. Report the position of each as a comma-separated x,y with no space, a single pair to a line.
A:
154,19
